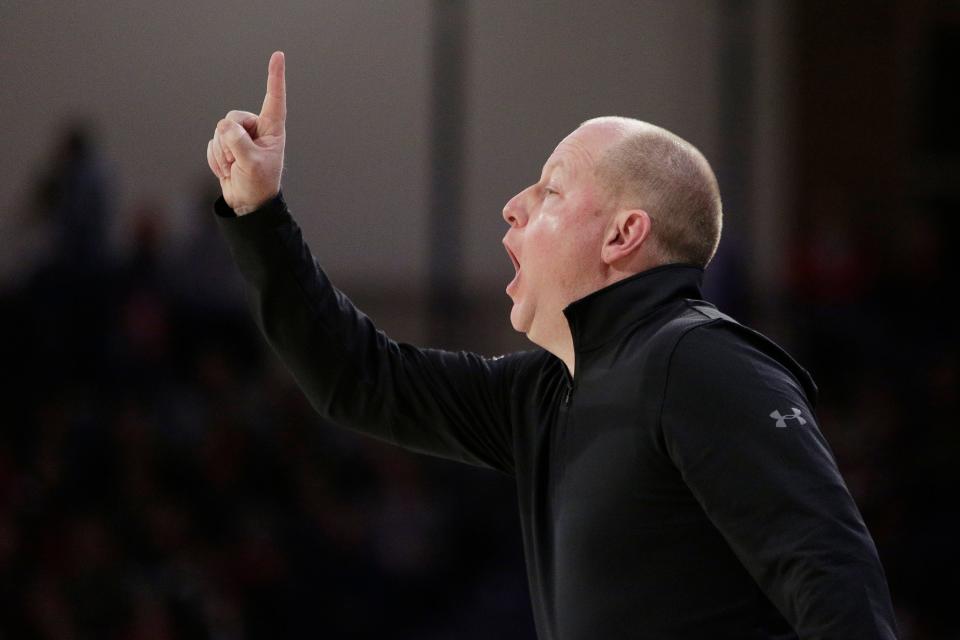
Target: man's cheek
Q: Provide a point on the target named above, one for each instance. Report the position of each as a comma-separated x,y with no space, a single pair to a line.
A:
551,223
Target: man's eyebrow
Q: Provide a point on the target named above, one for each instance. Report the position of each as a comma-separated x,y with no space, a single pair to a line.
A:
553,164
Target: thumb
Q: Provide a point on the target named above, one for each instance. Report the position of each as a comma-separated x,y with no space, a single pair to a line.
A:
235,138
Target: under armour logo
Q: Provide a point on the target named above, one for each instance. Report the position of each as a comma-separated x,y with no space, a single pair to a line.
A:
782,420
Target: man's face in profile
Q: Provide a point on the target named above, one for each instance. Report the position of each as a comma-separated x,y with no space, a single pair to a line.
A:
556,233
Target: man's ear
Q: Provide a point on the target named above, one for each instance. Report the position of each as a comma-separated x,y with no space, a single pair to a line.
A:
627,233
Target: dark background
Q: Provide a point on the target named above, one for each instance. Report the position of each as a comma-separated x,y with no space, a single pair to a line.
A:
160,474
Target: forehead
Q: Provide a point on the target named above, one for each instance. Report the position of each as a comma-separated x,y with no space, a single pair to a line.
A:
582,149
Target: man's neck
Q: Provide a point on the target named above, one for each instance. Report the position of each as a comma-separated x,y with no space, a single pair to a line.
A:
559,341
557,338
567,355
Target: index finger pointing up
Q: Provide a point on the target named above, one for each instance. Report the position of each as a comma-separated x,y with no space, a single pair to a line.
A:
274,109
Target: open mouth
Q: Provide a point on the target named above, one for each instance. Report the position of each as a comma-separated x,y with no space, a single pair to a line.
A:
513,259
516,265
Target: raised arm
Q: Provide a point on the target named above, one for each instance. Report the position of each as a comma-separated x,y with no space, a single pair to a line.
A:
454,405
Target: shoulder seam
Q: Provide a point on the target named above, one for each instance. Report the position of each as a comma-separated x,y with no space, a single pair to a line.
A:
666,377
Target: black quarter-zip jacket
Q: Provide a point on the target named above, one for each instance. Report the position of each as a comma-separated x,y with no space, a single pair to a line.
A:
677,486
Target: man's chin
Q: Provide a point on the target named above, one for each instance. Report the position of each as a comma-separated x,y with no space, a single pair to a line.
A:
518,319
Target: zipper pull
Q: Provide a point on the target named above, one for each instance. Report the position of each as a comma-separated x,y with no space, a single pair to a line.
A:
566,398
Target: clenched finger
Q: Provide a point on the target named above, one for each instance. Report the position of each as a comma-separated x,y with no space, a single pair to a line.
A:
245,119
235,139
214,167
218,142
219,156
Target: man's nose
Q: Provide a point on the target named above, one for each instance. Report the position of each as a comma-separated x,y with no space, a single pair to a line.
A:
513,211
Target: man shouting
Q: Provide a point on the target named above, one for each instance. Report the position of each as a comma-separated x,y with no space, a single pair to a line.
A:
671,477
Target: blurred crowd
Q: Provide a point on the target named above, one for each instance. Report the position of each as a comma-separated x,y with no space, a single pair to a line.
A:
869,288
162,477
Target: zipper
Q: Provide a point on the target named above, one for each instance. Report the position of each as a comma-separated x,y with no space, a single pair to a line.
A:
560,437
571,382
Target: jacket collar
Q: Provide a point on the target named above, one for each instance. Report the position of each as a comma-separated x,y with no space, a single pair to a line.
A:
603,314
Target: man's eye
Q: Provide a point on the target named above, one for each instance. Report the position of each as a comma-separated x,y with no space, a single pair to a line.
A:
549,191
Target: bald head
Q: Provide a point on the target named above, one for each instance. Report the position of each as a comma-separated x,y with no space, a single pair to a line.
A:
649,168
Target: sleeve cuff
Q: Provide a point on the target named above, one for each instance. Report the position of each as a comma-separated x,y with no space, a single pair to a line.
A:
270,210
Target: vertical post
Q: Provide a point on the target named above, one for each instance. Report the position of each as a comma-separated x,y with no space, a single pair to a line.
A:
756,150
447,175
773,151
737,135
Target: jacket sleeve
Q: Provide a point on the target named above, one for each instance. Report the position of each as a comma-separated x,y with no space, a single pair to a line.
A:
739,428
449,404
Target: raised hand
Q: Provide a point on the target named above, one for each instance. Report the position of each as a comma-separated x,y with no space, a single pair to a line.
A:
246,152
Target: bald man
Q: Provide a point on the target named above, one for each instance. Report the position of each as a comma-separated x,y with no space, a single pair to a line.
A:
671,478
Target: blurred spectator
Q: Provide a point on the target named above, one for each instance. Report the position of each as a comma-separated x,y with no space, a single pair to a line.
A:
73,196
161,477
